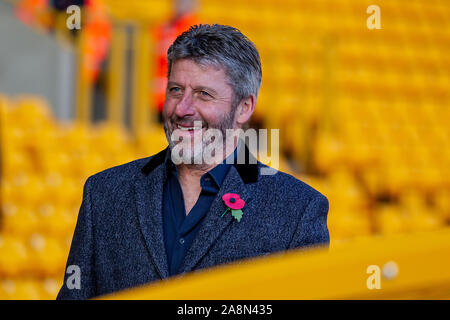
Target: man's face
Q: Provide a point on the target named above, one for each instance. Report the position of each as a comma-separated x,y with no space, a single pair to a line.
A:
197,93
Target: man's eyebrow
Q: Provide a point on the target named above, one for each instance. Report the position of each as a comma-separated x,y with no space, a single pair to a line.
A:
210,90
198,88
173,83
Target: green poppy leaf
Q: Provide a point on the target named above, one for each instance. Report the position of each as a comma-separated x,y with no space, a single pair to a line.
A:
237,214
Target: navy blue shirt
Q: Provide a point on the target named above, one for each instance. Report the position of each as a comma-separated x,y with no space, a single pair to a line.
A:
180,229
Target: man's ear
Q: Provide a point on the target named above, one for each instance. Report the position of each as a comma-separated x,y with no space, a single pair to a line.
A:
245,109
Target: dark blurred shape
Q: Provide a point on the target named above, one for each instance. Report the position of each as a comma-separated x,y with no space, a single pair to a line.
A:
184,15
62,5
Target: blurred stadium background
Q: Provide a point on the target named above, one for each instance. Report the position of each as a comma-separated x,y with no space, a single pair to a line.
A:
364,115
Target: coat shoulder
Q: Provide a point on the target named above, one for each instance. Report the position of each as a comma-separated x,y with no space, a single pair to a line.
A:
287,185
122,173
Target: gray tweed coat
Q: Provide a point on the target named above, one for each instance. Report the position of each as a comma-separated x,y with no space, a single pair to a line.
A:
118,240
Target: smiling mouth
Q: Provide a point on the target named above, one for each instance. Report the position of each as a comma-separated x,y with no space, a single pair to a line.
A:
186,128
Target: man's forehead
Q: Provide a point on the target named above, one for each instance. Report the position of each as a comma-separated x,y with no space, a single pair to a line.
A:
203,68
201,62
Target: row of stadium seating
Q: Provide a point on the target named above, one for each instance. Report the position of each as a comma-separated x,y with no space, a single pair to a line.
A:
24,288
364,113
44,165
364,117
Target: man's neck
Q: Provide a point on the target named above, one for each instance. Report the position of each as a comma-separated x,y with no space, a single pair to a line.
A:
193,172
189,176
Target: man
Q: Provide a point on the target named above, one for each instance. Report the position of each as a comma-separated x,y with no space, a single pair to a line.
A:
176,212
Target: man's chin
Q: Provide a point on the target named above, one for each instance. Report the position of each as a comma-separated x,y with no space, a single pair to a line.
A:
178,155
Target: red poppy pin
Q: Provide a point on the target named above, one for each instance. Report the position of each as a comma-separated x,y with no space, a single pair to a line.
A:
235,204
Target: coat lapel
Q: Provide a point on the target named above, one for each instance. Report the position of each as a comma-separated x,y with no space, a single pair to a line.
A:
149,188
214,225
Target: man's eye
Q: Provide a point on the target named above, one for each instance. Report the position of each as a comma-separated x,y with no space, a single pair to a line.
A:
205,94
174,89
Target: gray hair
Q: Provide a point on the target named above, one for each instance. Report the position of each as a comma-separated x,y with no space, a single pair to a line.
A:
225,47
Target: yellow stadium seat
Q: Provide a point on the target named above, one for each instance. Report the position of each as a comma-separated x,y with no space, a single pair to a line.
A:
14,256
48,256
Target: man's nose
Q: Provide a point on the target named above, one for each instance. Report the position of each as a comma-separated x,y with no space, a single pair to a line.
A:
185,107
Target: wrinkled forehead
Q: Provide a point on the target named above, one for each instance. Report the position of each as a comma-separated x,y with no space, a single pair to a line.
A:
204,63
199,72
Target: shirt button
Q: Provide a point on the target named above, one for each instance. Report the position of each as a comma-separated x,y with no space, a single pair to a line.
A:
181,241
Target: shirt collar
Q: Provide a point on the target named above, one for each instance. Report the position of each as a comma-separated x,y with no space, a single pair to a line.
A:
248,170
217,174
